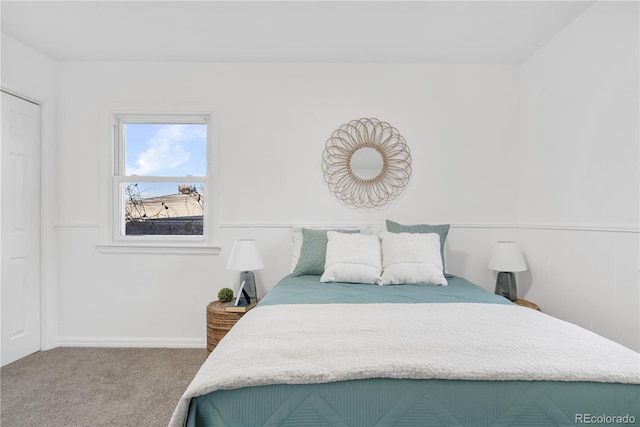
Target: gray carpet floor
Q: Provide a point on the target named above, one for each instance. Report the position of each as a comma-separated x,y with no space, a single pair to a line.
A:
77,387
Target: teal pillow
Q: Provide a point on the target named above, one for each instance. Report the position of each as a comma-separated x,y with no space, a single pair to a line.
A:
313,253
442,230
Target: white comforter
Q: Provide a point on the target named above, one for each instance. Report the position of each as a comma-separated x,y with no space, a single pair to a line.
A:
298,344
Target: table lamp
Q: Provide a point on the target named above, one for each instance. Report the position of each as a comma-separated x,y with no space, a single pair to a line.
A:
507,259
245,258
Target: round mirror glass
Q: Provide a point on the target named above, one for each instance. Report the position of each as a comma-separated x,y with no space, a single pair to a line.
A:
366,163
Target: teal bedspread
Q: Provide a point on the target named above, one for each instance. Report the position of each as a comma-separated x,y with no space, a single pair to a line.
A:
309,290
392,402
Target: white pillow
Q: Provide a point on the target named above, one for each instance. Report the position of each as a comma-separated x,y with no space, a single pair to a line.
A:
411,258
296,241
376,229
352,258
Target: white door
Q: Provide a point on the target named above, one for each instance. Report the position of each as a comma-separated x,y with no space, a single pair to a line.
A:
20,228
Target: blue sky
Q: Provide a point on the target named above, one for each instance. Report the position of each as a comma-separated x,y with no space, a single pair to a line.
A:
165,150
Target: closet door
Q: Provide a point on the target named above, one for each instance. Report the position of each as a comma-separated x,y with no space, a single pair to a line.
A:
20,228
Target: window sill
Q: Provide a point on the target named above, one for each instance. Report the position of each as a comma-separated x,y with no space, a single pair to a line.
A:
159,249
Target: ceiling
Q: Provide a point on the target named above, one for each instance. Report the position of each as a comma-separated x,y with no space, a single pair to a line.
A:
415,32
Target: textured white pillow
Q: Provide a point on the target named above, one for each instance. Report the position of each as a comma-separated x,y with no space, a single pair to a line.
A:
411,258
352,258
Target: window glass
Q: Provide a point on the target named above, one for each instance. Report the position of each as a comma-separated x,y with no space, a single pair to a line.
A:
163,209
165,149
160,176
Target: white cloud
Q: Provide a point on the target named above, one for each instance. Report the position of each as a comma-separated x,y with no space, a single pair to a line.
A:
166,152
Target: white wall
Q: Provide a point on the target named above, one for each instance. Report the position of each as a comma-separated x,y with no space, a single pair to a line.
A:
273,121
579,172
460,123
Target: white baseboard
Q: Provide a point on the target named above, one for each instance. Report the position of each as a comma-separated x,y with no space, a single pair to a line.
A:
170,342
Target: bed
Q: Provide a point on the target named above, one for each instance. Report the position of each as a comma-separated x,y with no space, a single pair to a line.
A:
315,352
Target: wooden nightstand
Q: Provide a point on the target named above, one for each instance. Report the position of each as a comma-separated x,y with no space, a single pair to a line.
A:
525,303
219,322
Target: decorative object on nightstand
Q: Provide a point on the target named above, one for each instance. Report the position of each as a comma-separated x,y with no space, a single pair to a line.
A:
225,295
507,259
240,308
245,258
528,304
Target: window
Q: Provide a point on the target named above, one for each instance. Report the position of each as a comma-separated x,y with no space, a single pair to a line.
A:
161,182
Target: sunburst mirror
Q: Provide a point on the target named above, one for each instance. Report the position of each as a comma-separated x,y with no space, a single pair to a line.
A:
366,163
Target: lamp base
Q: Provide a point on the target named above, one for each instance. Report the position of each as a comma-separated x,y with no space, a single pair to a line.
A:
506,285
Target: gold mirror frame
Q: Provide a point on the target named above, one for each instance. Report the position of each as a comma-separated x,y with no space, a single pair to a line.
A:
347,185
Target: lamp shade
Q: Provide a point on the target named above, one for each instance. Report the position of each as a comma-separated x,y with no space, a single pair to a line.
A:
245,256
507,256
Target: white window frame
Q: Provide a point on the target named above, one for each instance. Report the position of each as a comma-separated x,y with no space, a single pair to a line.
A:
121,243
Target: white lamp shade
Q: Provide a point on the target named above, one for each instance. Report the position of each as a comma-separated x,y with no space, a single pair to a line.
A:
507,257
245,256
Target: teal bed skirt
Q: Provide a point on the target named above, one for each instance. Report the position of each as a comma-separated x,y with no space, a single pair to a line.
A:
417,403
